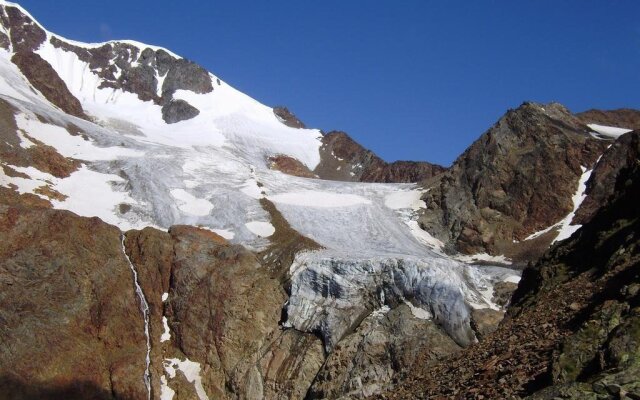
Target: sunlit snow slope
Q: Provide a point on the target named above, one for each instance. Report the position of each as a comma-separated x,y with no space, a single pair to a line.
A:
211,171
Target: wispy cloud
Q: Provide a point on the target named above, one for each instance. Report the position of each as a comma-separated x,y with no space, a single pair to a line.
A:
105,31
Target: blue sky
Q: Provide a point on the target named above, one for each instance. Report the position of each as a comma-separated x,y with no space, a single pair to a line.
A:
416,80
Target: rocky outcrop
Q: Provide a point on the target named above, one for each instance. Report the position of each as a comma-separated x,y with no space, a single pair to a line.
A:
40,156
288,118
25,34
71,326
383,348
572,329
622,154
290,166
178,110
517,178
42,77
341,158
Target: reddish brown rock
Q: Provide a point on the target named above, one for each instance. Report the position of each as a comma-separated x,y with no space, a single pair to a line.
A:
341,158
71,322
40,156
290,166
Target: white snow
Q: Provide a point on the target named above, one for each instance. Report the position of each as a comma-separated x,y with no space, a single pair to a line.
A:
166,335
91,194
165,297
261,228
191,371
191,204
166,393
609,131
512,279
314,198
251,189
566,229
408,199
501,259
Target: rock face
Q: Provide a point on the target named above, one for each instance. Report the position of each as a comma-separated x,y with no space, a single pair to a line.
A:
517,178
344,159
572,329
178,110
288,118
82,307
42,76
601,185
71,323
38,155
381,349
290,166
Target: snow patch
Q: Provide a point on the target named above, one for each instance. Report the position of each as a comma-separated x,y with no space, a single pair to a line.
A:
425,237
609,131
482,257
166,335
190,204
566,229
251,189
261,228
418,312
166,393
25,143
191,371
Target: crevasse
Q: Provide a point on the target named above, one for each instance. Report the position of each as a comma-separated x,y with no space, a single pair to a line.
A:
144,307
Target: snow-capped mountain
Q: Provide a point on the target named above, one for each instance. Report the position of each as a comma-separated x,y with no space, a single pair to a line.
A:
142,138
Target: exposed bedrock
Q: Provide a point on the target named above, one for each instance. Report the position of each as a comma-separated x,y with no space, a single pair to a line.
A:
517,178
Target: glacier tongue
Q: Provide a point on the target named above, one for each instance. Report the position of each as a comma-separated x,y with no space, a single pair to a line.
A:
331,295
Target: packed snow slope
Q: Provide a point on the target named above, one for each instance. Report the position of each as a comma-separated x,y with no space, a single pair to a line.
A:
179,147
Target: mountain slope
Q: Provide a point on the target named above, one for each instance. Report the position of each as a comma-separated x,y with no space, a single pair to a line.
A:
514,183
572,328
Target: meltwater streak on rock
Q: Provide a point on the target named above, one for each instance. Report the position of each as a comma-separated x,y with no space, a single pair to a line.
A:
144,307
